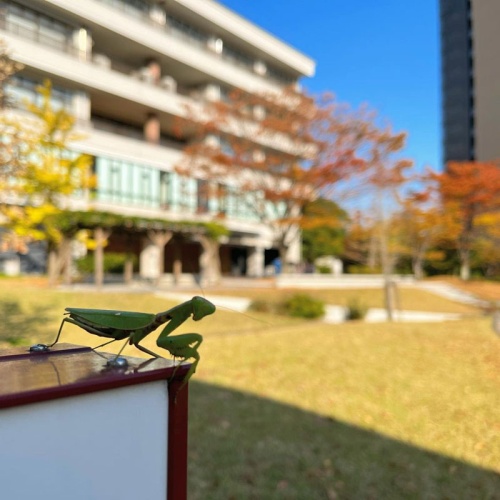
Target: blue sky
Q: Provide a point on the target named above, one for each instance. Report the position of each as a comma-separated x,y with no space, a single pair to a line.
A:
384,53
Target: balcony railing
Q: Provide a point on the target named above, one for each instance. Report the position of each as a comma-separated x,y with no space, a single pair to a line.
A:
62,45
167,24
181,30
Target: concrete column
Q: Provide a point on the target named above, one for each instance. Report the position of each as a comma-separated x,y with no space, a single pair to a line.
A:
215,44
155,70
152,131
81,107
260,67
148,261
212,92
255,262
82,41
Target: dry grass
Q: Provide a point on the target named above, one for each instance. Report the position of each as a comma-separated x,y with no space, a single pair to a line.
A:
284,408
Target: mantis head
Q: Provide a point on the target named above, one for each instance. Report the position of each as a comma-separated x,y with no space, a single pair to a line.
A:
201,308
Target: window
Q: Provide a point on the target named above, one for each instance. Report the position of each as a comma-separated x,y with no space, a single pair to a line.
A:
203,196
165,190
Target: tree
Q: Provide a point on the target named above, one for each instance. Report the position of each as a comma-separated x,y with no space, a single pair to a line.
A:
469,191
9,134
274,153
323,231
8,67
44,173
379,185
358,240
420,225
486,246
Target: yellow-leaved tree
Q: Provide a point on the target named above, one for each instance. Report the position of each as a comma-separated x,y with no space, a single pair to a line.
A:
42,175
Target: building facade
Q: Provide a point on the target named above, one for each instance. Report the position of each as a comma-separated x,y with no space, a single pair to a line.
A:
470,79
127,70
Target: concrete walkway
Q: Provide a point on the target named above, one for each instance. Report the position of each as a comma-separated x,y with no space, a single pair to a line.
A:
337,314
451,293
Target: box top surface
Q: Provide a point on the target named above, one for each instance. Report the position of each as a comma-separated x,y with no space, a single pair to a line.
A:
69,370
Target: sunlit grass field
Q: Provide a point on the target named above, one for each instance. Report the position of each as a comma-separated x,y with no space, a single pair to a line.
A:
294,409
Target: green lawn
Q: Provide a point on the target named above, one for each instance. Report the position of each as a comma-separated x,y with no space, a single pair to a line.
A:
291,409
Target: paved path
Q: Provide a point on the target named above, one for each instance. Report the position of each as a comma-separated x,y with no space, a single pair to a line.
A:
452,293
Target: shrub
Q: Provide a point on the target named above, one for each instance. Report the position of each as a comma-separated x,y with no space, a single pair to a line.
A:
304,306
114,262
359,269
324,269
263,306
267,306
299,305
356,309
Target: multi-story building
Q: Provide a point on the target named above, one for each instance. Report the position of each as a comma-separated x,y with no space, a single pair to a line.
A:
127,70
470,79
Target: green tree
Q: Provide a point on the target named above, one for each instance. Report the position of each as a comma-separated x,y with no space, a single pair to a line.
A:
323,230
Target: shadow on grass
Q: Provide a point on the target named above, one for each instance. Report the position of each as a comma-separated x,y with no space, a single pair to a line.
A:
18,323
246,447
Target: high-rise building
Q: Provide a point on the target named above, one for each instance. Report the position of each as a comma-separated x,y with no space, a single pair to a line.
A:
470,79
127,69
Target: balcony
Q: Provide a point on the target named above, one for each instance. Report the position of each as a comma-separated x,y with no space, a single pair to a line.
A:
195,55
108,83
177,28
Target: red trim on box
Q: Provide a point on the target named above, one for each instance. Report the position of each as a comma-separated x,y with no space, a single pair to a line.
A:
71,370
12,354
177,440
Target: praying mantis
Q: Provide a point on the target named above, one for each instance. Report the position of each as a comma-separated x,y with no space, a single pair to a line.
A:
135,326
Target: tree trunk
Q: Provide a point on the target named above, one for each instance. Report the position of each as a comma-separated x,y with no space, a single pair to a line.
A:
128,270
464,255
210,261
283,255
177,270
160,238
418,266
387,272
52,265
100,236
66,258
373,251
389,298
465,270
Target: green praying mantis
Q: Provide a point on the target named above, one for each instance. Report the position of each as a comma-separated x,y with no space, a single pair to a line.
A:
135,326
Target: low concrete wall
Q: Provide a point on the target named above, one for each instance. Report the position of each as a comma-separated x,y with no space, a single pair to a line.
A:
343,281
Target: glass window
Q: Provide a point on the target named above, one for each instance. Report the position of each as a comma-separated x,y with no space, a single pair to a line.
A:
36,26
203,192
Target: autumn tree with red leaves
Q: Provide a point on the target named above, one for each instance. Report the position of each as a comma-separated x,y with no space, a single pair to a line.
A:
276,152
470,195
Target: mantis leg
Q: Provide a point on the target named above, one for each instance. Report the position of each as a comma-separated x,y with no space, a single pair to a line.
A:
175,317
183,346
121,350
59,332
105,343
147,351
